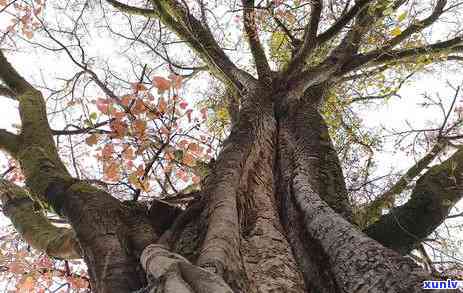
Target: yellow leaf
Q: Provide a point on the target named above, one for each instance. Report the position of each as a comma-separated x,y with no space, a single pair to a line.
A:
402,16
395,32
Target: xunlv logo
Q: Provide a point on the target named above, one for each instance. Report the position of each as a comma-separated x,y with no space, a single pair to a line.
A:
449,284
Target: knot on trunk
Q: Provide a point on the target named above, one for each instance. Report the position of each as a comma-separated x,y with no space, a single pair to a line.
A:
172,273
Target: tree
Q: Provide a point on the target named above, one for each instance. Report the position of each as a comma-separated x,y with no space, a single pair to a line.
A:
273,213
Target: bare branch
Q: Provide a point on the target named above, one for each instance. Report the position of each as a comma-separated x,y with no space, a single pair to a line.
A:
376,57
250,27
336,28
197,36
309,41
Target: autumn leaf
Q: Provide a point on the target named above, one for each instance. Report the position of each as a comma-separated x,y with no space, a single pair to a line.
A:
112,171
107,151
128,154
138,87
188,115
27,284
182,175
126,100
204,113
102,105
29,34
176,80
118,127
395,32
138,107
162,106
183,144
183,105
193,147
161,83
196,179
92,139
139,127
188,159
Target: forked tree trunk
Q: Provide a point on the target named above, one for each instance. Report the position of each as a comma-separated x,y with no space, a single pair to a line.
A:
276,216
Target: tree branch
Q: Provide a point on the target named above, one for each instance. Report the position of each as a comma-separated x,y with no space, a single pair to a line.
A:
378,57
336,28
6,92
374,210
9,142
309,40
250,27
196,35
11,77
416,26
34,226
434,195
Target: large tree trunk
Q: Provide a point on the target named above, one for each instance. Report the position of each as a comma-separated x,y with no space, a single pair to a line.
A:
276,215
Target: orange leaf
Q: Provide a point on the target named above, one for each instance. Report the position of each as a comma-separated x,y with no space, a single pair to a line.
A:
128,154
27,284
176,80
108,151
188,160
138,107
204,113
193,147
92,139
139,127
112,171
196,179
162,106
118,127
138,87
126,100
161,83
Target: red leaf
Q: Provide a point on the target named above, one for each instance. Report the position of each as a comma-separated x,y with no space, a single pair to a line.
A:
162,106
161,83
126,100
103,105
183,105
188,115
112,171
139,127
138,87
188,160
204,113
107,151
176,80
138,107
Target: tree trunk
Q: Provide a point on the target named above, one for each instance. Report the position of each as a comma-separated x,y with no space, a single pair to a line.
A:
275,215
